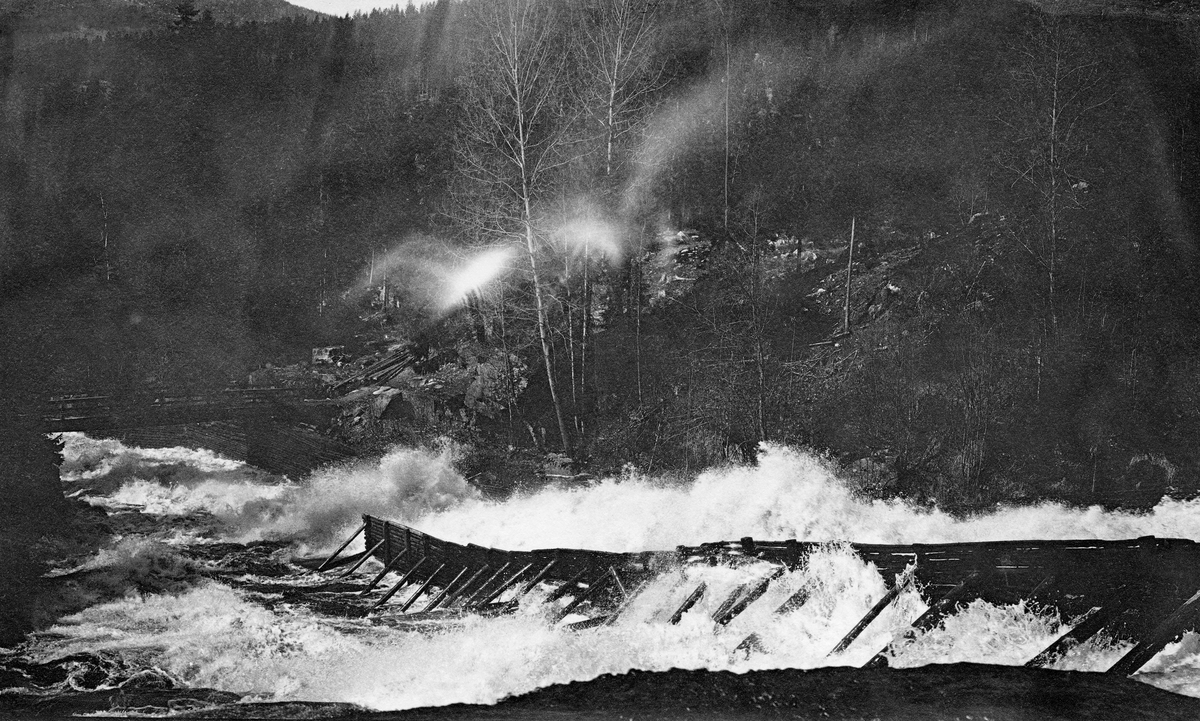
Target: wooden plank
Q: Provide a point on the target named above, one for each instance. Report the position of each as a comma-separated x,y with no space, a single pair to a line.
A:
873,613
692,599
930,618
362,559
1095,619
403,579
537,578
437,600
567,587
505,586
424,586
794,601
467,586
470,601
342,547
730,600
1181,620
753,595
601,582
387,567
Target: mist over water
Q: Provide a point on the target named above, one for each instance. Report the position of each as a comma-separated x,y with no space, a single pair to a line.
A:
203,632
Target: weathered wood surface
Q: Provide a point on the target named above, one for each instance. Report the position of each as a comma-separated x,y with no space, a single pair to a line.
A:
1084,573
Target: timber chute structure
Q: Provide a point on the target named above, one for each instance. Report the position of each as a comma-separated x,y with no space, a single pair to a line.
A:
1146,589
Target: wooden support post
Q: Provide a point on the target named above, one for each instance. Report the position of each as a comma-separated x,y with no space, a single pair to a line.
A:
504,586
362,559
930,618
387,567
601,620
424,586
342,547
568,586
1184,618
602,581
753,595
537,578
346,560
437,600
692,599
611,618
1091,623
470,601
466,586
728,602
403,580
892,594
795,601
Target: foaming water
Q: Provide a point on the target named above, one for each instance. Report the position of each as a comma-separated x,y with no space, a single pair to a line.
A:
788,494
212,635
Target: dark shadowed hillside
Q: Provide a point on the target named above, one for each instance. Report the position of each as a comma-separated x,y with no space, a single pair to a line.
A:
634,250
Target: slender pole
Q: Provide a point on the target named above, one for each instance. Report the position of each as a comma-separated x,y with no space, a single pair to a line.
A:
503,587
1175,624
567,586
386,568
342,547
753,595
870,616
483,589
424,586
362,559
463,589
601,582
403,580
849,270
437,600
537,579
692,599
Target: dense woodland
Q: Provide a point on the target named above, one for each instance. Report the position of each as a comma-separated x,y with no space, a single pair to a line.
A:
665,192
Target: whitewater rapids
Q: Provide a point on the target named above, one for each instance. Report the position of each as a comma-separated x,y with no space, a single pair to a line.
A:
199,626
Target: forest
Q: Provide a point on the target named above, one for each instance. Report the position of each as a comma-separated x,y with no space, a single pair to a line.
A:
949,244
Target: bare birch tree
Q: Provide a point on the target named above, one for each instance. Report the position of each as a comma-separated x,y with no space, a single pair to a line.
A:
619,79
1056,85
513,133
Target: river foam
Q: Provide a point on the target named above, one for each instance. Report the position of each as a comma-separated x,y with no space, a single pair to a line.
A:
215,636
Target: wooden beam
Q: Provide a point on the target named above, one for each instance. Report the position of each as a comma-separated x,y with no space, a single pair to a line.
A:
361,560
602,581
466,586
342,547
403,579
729,601
504,586
470,601
567,586
930,618
1181,620
424,586
692,599
795,601
387,567
892,594
537,578
753,595
1091,623
445,591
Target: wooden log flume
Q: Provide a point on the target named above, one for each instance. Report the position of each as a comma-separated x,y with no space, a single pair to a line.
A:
1152,582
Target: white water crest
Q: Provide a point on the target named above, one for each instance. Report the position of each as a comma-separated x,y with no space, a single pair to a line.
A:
211,635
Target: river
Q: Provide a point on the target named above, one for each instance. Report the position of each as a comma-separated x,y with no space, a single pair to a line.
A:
196,606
